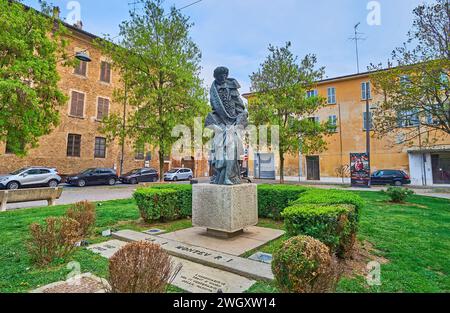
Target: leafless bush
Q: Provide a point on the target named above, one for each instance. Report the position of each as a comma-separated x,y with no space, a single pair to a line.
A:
84,214
54,239
140,267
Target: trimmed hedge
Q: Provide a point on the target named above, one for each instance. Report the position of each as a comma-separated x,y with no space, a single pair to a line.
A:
330,197
334,225
157,204
273,199
184,197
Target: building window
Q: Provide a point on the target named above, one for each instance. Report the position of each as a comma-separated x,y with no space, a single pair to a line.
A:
102,108
408,119
311,93
77,104
105,72
365,120
140,154
332,119
73,145
366,91
100,147
331,95
81,68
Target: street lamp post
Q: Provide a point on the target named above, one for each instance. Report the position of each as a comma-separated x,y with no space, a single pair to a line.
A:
368,127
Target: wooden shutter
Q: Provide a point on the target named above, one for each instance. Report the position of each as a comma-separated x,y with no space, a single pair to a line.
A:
102,108
77,104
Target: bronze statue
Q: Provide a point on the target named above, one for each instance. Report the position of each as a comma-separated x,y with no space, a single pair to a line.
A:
228,119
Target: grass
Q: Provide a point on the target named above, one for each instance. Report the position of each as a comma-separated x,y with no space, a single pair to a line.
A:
18,275
414,237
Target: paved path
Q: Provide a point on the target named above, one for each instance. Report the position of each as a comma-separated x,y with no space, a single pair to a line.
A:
104,193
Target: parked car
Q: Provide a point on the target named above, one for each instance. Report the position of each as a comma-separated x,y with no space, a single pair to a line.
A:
179,174
30,177
93,176
140,175
390,177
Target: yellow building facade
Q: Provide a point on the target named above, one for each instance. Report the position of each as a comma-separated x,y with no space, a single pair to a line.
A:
347,106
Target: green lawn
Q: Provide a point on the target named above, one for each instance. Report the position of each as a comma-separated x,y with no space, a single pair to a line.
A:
414,237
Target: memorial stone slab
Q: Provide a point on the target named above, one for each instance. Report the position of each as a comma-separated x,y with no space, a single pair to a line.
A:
224,261
107,249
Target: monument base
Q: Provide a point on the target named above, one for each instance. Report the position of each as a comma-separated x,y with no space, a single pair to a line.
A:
225,211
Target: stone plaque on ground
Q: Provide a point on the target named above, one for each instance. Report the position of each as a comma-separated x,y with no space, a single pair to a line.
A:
262,257
108,248
154,231
197,278
252,238
224,261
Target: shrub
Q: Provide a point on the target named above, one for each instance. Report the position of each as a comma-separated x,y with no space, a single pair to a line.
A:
140,267
55,239
184,197
273,199
157,204
84,214
334,225
398,194
304,265
331,197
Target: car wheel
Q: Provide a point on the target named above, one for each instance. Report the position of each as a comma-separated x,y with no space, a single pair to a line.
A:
13,185
190,178
112,181
53,183
81,183
175,178
155,179
398,183
133,181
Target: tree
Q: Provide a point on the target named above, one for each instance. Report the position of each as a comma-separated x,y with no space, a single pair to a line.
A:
159,66
280,99
416,93
31,44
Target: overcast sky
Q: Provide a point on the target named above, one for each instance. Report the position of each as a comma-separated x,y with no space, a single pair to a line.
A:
236,33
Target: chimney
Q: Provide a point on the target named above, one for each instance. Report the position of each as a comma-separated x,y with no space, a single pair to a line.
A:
79,25
56,12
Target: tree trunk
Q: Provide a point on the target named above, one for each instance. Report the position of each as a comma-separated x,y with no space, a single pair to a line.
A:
161,165
281,167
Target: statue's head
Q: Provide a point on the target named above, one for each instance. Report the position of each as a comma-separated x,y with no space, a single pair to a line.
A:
221,74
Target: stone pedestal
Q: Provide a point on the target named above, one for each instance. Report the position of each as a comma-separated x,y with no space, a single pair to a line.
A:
224,210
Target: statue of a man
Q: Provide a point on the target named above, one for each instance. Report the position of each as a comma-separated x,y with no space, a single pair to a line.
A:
228,119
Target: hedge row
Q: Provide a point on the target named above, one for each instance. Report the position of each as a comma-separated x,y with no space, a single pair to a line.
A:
334,225
273,199
164,202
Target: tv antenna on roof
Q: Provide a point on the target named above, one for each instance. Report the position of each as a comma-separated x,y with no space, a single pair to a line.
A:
357,37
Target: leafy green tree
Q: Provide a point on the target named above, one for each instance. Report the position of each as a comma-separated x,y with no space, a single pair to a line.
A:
416,92
31,44
280,99
159,66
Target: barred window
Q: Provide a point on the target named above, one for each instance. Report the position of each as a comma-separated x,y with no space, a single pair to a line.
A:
100,147
73,145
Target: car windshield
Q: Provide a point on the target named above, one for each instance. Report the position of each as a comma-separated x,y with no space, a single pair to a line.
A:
172,171
88,171
18,171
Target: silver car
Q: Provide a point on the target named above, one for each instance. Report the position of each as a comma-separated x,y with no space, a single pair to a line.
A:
30,177
179,174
